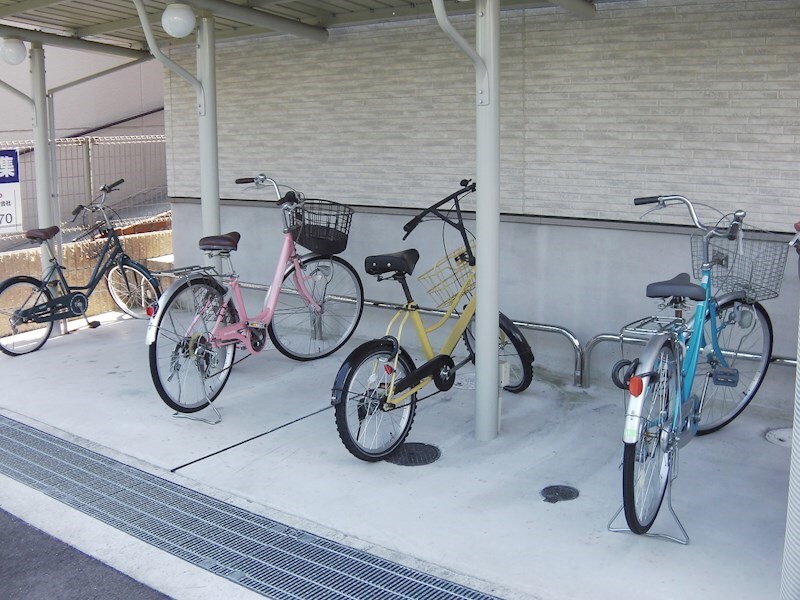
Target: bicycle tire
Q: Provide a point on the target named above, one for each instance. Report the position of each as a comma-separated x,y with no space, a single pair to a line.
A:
368,432
17,338
132,288
646,464
299,332
187,371
743,328
513,349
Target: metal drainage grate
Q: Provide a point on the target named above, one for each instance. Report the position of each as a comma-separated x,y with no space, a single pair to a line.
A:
254,551
557,493
414,454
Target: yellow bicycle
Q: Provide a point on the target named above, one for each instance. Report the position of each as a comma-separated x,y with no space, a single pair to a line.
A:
375,391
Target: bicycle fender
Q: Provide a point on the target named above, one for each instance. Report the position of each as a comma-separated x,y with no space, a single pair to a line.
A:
355,357
166,296
634,404
520,337
740,295
127,260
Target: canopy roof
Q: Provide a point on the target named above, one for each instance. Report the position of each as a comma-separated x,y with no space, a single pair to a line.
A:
115,24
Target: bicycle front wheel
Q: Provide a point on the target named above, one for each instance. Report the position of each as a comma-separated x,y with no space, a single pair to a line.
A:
646,463
19,335
188,370
513,349
744,334
302,332
131,289
369,428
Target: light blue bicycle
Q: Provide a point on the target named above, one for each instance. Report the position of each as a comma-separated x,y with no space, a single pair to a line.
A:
695,374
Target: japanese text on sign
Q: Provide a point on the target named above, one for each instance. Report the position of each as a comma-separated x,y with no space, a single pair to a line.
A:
10,198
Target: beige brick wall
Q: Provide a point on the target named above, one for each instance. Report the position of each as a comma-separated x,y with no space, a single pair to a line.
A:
657,96
80,259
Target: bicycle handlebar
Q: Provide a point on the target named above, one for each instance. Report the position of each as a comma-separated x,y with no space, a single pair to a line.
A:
94,204
732,231
466,187
261,180
112,186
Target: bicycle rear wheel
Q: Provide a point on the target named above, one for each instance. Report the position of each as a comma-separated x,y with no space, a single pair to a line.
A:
646,463
188,371
17,335
300,332
513,349
744,333
131,288
368,428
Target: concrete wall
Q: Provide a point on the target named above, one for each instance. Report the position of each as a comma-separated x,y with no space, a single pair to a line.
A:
585,277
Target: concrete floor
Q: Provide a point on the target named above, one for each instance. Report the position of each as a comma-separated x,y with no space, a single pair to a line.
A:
475,516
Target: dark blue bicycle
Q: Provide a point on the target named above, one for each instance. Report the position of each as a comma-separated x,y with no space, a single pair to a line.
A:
29,307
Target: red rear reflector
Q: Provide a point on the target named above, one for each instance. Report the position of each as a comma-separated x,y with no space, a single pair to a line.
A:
151,309
388,368
636,385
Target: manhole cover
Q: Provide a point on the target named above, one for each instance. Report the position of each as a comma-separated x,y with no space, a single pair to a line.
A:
557,493
780,437
414,454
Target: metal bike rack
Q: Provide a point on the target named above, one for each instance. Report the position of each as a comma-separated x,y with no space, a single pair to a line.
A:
615,337
574,342
578,377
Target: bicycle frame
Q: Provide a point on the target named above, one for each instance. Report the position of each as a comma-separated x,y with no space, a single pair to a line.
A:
224,334
103,264
687,356
42,313
411,310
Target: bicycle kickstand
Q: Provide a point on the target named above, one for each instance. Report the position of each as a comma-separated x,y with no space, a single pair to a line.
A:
216,421
684,539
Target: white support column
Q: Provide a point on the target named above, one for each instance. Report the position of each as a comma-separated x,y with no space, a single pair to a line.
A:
40,130
487,402
487,100
790,574
207,121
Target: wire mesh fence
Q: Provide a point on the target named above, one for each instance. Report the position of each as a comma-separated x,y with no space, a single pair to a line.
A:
84,164
140,209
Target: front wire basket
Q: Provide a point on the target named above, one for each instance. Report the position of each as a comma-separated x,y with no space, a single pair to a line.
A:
321,226
755,266
445,280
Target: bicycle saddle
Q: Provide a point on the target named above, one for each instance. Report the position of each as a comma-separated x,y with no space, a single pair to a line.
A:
41,235
222,242
680,285
401,262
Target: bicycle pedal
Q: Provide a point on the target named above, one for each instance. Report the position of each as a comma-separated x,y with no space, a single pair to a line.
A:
725,376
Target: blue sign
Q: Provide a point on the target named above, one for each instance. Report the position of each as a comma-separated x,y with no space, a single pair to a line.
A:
10,197
9,166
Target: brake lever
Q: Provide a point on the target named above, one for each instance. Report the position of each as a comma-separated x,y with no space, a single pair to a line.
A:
658,206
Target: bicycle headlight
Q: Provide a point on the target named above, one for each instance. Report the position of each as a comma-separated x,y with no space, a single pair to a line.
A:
744,317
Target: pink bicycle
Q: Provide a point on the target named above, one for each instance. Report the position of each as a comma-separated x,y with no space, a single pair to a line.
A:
311,309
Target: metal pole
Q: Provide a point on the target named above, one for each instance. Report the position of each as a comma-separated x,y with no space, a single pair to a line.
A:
88,167
487,401
41,152
790,575
209,159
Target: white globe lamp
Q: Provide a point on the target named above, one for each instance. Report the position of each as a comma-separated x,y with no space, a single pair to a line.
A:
178,20
13,51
